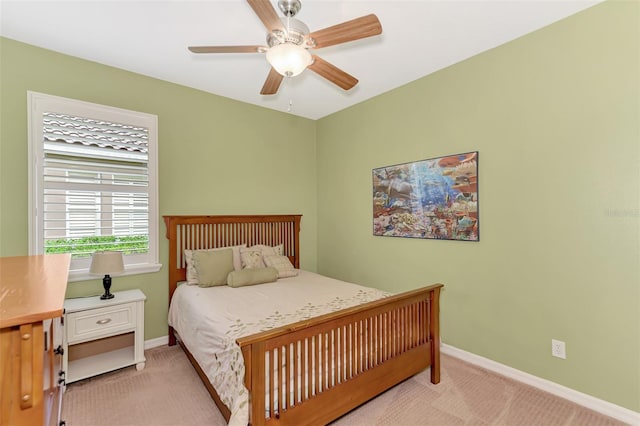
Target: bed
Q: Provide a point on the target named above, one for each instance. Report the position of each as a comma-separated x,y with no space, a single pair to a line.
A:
316,369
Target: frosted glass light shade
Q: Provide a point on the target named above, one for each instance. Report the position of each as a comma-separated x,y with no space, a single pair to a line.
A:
288,59
106,263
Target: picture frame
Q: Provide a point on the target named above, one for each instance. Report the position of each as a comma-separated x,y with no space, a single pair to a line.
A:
435,198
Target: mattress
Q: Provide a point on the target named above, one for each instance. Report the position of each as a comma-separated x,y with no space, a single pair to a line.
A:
209,320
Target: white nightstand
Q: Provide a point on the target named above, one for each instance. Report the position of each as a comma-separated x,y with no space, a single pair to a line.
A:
103,335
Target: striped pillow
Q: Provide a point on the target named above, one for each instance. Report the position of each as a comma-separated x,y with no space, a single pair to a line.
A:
282,264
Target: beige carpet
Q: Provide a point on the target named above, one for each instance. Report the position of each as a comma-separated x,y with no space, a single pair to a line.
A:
169,392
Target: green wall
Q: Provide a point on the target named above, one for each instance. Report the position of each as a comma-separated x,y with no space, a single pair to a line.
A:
216,156
555,116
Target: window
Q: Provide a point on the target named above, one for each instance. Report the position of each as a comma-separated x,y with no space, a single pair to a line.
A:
93,179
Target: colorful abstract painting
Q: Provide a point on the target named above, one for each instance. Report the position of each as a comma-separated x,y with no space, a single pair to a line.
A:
435,199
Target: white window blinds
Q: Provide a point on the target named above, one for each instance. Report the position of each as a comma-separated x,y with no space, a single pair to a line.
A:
95,185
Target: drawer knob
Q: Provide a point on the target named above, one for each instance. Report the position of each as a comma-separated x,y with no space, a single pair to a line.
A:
103,321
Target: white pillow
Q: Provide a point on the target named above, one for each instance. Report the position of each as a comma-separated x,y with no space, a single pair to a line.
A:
282,264
192,273
270,251
251,258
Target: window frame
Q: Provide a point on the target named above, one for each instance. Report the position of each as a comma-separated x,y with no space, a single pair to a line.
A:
38,104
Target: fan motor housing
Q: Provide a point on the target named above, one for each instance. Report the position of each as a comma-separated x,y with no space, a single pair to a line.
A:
296,32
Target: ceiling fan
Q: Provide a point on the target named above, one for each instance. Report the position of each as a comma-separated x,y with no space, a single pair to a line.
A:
289,42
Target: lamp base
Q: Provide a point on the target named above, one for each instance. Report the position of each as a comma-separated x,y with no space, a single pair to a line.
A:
106,283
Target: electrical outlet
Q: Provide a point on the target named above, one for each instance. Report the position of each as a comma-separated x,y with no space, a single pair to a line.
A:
558,349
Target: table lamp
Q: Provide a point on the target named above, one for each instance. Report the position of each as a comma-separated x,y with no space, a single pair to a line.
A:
107,263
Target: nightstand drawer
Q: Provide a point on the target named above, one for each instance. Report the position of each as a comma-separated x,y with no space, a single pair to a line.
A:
99,322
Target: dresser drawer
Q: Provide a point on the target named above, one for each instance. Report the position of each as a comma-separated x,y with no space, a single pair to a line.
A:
96,323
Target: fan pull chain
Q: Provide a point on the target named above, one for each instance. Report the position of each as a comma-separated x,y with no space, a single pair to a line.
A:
290,104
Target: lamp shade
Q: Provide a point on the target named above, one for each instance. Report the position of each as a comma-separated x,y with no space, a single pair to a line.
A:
288,59
106,263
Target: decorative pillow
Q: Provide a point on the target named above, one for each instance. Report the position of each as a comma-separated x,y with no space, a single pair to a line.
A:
252,276
192,275
213,266
251,258
282,264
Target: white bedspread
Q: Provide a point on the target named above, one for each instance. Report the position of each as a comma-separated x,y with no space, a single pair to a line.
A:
209,320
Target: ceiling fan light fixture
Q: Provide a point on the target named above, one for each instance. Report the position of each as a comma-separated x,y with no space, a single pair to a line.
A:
288,59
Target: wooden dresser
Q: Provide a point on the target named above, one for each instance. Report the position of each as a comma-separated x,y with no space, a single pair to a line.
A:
32,290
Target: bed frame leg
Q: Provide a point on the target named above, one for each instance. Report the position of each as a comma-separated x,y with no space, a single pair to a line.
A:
172,337
435,336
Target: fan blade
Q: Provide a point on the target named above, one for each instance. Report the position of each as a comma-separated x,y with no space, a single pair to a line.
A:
332,73
267,14
272,83
365,26
226,49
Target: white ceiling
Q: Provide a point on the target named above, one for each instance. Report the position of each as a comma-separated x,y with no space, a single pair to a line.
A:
150,37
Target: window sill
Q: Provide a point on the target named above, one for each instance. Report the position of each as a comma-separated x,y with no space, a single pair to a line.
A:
84,275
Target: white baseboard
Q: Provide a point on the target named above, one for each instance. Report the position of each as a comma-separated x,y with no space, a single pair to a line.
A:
154,343
593,403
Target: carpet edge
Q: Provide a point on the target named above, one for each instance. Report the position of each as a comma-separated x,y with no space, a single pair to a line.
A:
596,404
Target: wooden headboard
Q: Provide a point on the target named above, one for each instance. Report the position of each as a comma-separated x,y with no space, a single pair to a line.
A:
205,232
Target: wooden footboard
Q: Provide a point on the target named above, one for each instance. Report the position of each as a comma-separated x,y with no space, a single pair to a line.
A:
314,371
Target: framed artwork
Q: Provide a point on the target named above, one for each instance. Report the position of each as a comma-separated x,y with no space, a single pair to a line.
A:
433,199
